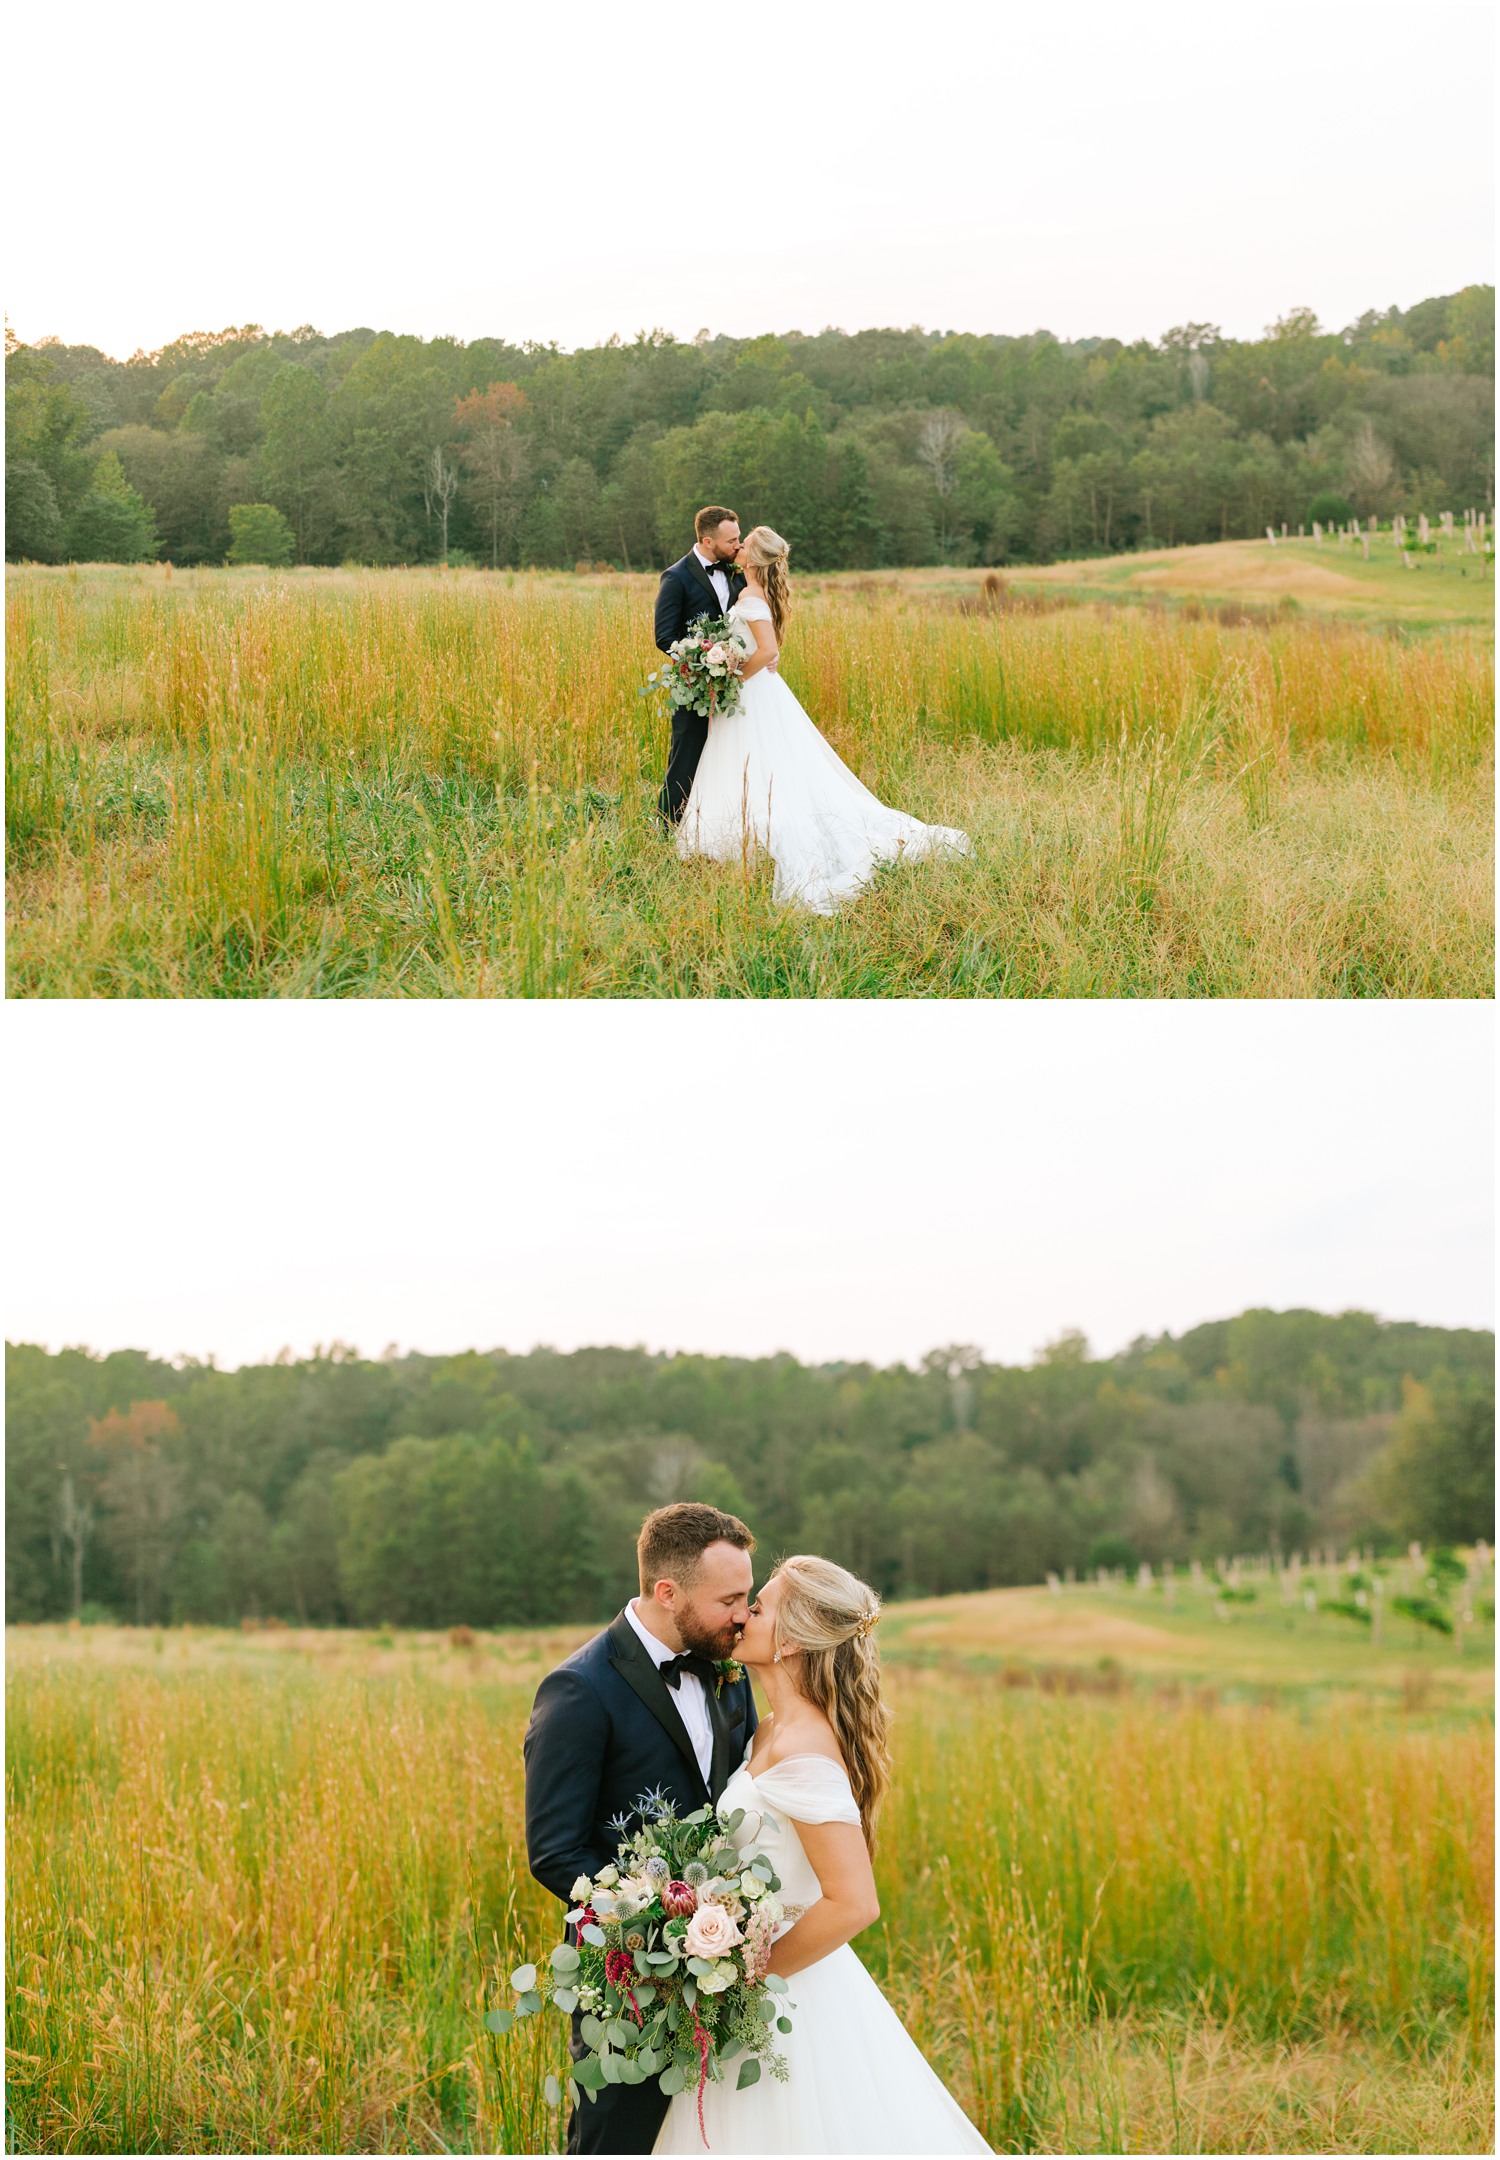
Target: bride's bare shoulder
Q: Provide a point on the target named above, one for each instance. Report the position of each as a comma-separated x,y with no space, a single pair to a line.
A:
809,1734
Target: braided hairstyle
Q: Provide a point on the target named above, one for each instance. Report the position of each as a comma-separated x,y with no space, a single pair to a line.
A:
766,552
829,1616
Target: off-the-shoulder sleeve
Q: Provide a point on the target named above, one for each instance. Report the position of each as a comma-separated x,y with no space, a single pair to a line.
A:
810,1789
752,608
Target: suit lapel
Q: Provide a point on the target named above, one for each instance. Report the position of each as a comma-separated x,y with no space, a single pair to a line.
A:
697,570
628,1656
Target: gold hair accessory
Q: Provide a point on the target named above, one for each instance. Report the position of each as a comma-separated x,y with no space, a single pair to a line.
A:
867,1623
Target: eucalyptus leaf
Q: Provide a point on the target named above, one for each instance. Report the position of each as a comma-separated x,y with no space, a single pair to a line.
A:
594,1935
783,2025
673,2078
645,1995
649,2061
775,1983
565,1959
565,2000
631,2072
642,1962
690,1993
674,2013
619,2033
500,2021
609,2066
589,2072
552,2091
734,1822
529,2004
591,2030
749,2073
573,2090
523,1978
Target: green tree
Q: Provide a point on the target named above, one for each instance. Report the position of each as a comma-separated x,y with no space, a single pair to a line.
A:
33,523
1436,1480
139,1487
260,534
111,523
297,459
496,456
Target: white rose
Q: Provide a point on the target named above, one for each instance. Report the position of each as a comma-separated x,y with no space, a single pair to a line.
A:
717,1981
711,1932
581,1891
751,1885
608,1875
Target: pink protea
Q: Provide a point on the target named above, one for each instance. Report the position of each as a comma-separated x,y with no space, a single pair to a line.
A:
679,1901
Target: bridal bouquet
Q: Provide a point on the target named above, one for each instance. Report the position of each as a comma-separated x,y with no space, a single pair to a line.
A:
702,669
669,1967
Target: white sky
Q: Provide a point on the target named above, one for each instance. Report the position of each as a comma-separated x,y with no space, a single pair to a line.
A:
547,172
860,1180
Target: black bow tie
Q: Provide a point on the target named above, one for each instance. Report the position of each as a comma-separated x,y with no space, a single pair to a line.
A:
674,1668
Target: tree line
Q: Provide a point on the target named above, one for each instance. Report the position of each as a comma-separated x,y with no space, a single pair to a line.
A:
882,447
496,1489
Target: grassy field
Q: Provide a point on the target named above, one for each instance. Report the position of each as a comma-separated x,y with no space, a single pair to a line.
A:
410,783
1151,1879
1333,580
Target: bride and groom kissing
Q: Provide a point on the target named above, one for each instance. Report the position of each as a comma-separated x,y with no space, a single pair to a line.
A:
761,778
662,1703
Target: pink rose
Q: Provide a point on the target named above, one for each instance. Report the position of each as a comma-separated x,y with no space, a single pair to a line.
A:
711,1931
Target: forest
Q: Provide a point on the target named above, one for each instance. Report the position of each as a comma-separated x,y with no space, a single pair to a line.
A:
497,1489
881,447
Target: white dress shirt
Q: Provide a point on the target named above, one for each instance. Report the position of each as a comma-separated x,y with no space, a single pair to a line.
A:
718,577
692,1696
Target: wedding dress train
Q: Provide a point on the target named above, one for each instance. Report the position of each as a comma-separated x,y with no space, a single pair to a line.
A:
858,2082
767,779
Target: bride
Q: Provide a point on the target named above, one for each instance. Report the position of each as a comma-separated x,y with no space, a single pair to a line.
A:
768,779
810,1787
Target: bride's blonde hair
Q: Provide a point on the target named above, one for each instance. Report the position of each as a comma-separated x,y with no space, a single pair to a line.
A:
767,552
829,1616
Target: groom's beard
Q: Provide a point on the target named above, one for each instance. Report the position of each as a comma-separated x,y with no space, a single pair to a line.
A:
705,1641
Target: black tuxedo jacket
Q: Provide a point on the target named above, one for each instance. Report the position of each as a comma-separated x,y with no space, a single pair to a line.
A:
605,1728
686,592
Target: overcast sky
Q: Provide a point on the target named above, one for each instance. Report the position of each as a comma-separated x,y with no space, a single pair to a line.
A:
566,172
855,1181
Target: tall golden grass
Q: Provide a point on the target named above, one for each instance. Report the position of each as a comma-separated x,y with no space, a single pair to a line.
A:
259,1898
401,782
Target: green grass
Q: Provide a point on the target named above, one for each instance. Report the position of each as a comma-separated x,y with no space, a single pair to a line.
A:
1331,581
396,784
261,1887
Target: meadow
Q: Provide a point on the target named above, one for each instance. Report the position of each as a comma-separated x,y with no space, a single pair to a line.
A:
428,783
1159,1873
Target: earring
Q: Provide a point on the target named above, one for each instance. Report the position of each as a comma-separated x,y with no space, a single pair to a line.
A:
776,1657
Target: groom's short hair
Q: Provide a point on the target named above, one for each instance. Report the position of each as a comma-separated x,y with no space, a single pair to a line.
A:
705,522
674,1539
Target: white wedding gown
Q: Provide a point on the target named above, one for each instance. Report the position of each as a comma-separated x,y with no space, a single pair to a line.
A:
767,779
858,2082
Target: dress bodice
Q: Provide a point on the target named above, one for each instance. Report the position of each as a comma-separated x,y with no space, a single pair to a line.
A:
799,1789
749,608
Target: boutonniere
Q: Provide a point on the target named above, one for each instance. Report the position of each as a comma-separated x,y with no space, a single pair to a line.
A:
728,1672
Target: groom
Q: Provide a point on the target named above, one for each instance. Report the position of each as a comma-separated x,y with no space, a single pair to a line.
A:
640,1708
704,582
